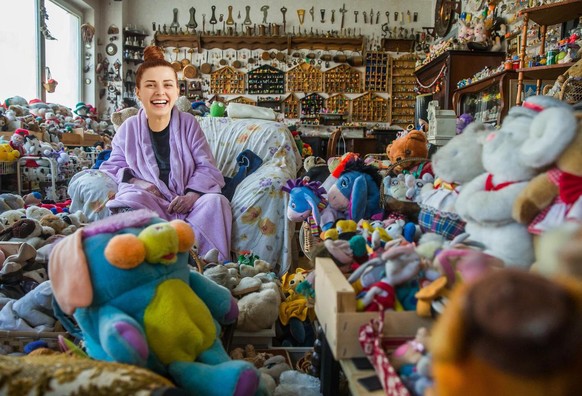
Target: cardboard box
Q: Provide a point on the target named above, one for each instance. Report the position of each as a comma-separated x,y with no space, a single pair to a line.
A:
335,307
8,134
89,139
71,138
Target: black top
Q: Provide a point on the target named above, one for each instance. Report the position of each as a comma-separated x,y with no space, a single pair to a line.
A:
161,146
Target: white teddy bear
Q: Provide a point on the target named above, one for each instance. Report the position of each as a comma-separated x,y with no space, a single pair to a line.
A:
486,202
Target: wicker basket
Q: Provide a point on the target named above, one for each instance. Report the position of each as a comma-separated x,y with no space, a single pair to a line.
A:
571,91
7,167
15,341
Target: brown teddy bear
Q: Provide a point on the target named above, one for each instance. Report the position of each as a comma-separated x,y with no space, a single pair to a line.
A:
511,332
410,146
553,197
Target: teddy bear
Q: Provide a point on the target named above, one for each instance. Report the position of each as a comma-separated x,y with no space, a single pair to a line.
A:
485,203
118,117
484,342
412,150
437,202
57,224
143,280
553,196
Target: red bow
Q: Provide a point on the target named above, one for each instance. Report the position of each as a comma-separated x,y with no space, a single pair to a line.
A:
489,186
570,187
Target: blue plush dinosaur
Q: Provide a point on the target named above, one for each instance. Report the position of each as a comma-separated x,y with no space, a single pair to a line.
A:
126,280
357,191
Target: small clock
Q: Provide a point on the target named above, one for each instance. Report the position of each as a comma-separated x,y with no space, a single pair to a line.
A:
443,17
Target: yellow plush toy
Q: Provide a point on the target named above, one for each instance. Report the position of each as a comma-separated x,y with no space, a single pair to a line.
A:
7,153
510,333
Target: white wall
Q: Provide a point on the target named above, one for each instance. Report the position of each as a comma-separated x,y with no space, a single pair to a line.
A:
141,14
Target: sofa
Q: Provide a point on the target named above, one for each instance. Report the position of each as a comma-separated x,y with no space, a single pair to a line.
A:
258,205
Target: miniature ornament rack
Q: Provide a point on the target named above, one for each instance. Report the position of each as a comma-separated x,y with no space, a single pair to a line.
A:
265,80
311,106
227,80
377,71
338,104
291,106
370,108
342,78
243,100
304,78
403,95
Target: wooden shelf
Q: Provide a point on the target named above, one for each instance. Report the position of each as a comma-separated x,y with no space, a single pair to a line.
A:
552,14
397,45
544,72
281,43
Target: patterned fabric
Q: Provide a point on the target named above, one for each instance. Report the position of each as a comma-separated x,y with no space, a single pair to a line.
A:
259,206
440,223
371,341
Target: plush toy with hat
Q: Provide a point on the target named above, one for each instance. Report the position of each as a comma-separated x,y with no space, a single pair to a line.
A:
356,191
127,282
486,202
17,140
510,333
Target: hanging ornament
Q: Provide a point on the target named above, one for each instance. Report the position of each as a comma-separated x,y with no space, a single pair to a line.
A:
50,84
43,27
87,33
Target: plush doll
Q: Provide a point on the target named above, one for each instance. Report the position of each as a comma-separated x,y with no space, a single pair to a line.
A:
357,191
7,153
465,32
217,109
485,343
10,201
553,197
414,147
127,282
17,140
437,203
486,202
307,203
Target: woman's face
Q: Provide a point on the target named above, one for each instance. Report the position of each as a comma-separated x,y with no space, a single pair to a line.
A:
158,91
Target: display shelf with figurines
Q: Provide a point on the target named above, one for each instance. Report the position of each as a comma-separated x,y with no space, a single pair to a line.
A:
402,100
291,106
370,107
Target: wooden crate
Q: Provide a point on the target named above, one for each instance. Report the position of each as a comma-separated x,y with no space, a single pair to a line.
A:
335,307
89,139
71,138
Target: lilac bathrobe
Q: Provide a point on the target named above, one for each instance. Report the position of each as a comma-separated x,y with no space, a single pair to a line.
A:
192,167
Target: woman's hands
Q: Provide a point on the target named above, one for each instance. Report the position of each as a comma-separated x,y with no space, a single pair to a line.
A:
147,186
183,204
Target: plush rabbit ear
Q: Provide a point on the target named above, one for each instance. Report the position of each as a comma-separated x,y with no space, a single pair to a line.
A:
69,274
550,133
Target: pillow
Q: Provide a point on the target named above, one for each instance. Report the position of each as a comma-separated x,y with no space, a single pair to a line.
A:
241,110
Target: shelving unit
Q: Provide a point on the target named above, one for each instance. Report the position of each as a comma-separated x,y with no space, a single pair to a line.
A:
377,71
134,43
402,94
544,15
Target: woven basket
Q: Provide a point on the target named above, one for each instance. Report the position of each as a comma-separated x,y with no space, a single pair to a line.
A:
571,91
15,341
408,208
306,240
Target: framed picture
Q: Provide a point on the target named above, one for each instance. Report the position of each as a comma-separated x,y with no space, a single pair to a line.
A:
529,89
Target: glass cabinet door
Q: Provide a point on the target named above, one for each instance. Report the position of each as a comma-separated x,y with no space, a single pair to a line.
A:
483,105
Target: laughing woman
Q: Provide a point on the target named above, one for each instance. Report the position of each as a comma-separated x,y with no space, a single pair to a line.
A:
161,160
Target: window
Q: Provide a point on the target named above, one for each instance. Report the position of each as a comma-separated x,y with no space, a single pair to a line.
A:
31,56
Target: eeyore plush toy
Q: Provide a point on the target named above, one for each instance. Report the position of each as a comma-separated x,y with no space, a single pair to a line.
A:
357,191
307,202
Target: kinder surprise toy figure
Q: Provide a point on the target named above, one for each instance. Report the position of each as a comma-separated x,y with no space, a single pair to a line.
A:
510,333
126,280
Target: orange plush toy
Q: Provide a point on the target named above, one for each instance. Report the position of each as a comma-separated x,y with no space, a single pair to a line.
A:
413,145
510,333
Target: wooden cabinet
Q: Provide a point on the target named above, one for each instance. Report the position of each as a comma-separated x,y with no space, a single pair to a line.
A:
440,76
487,100
544,15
